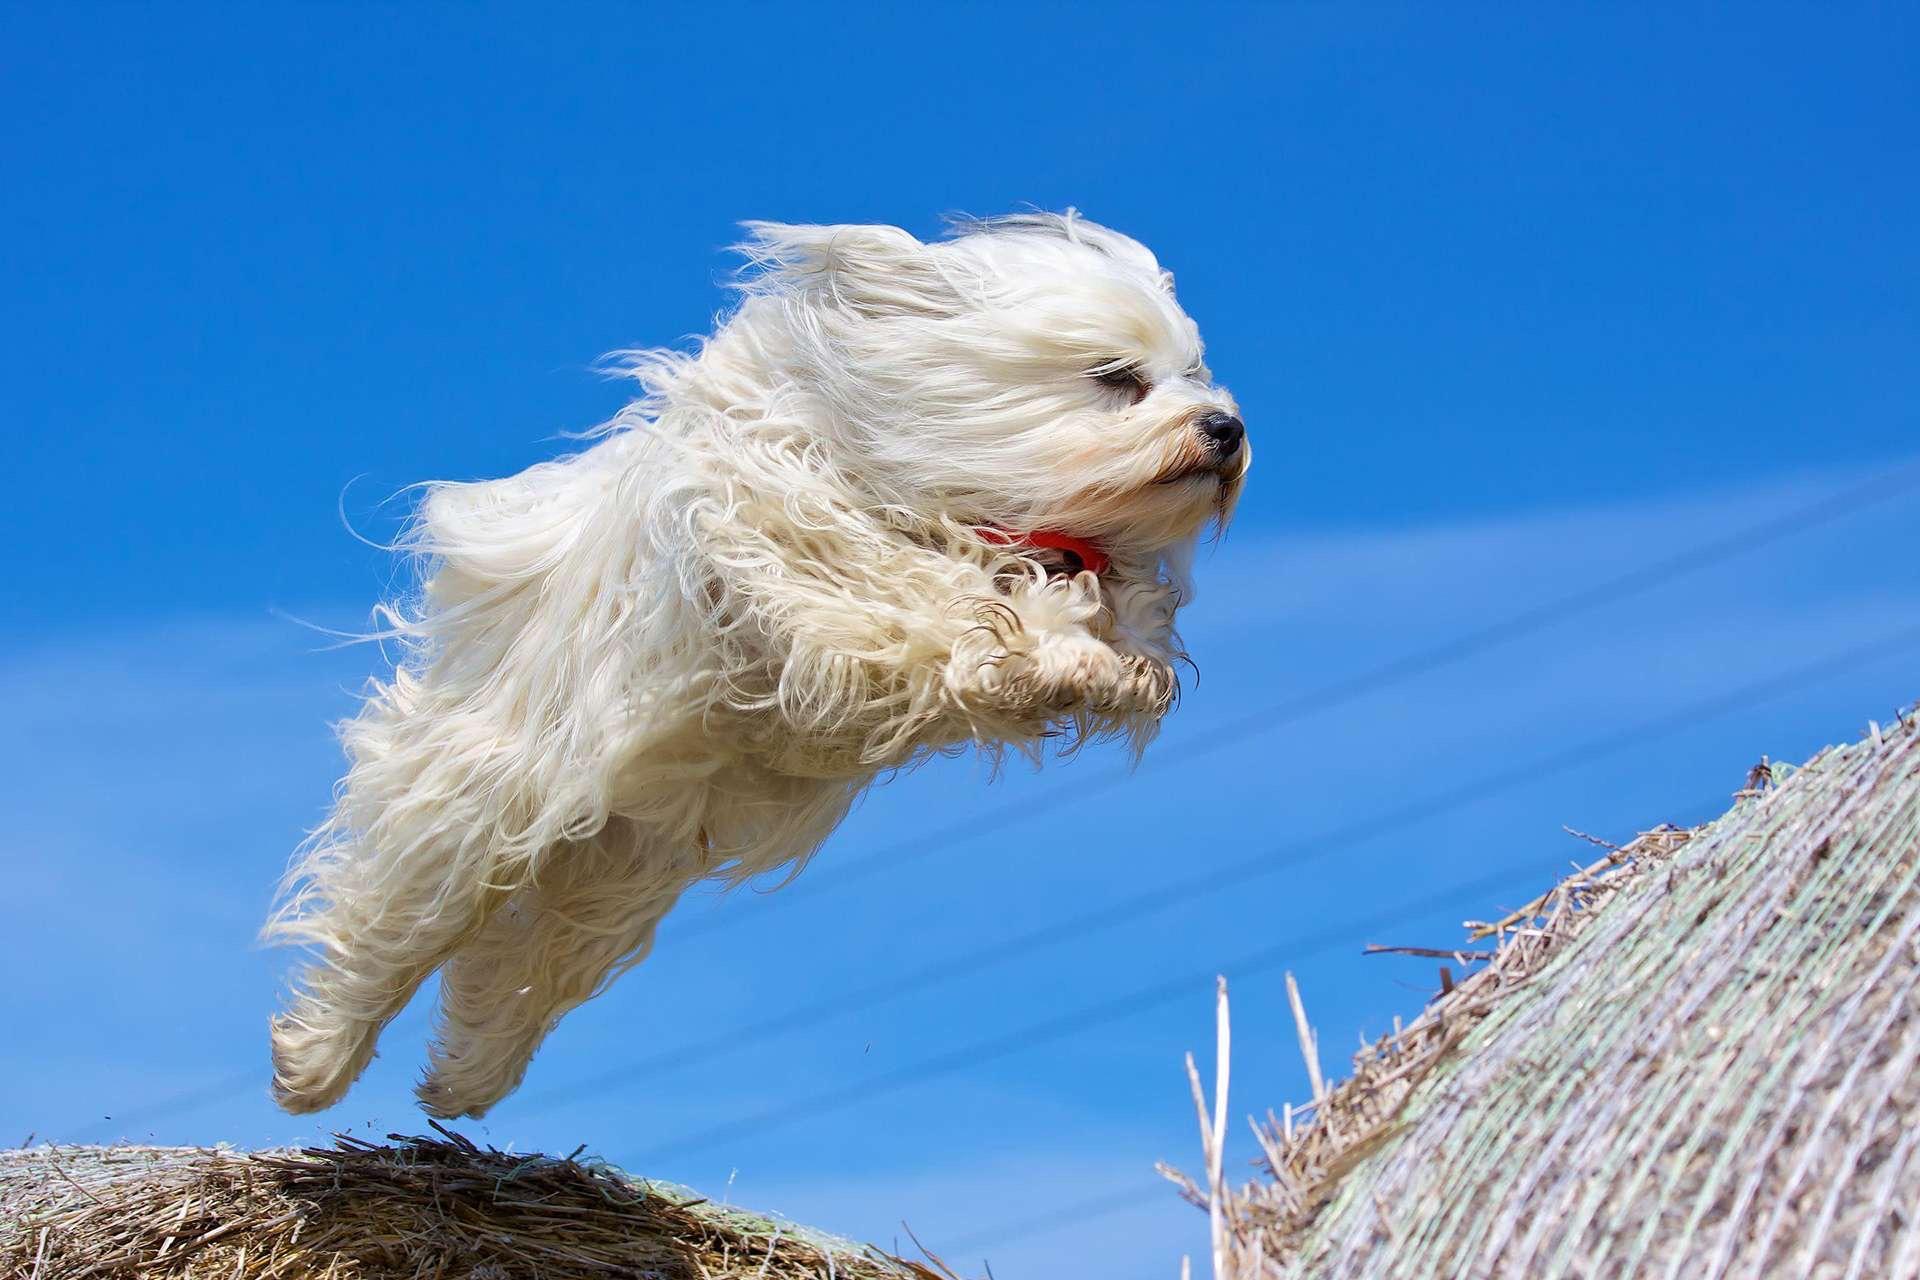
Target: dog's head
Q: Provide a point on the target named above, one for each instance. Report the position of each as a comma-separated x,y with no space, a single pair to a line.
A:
1027,373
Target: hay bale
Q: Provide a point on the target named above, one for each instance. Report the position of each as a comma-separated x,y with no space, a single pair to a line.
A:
1696,1058
425,1207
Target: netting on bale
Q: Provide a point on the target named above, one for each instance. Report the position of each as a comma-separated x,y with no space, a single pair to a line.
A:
1695,1058
426,1207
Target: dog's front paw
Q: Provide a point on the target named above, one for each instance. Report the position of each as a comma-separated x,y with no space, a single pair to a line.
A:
1064,675
1148,686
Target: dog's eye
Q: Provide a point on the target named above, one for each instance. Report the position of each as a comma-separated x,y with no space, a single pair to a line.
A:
1129,381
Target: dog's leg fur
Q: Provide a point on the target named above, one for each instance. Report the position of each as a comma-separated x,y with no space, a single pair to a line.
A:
429,837
588,916
379,944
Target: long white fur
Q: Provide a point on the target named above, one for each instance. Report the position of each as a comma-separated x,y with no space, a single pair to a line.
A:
682,652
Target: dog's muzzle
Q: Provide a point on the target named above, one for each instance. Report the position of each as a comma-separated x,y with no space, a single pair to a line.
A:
1217,448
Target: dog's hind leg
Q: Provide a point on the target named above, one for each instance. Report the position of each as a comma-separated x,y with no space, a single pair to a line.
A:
588,916
379,938
419,851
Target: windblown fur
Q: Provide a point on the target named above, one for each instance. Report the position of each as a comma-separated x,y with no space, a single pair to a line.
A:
682,652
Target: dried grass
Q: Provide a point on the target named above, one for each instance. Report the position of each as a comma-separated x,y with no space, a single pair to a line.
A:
1697,1056
437,1207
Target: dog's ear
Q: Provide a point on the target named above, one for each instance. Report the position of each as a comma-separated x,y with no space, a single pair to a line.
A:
871,270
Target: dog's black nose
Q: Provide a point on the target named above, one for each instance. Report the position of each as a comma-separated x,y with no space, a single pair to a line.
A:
1224,433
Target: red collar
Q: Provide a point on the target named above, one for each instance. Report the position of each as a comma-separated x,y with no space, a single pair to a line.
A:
1091,557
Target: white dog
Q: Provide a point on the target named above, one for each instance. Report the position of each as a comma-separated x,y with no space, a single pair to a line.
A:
908,498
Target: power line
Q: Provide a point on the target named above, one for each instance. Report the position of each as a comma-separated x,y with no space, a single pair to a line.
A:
1085,1018
1061,1026
1071,1215
1526,622
1284,857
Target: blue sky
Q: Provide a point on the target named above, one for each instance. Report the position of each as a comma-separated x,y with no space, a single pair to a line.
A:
1512,304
